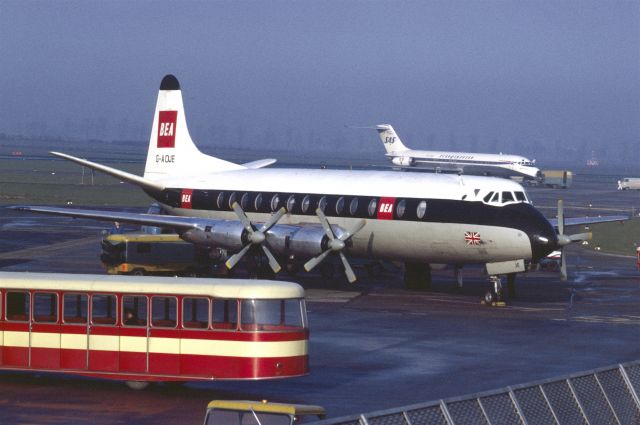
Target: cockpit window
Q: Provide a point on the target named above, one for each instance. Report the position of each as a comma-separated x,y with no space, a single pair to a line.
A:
520,196
496,198
488,197
507,197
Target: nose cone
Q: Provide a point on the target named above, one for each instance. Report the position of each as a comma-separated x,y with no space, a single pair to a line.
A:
543,237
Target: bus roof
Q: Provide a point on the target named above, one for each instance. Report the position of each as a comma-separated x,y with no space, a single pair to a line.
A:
219,288
267,407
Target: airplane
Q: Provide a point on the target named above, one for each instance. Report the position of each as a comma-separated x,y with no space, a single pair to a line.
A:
308,214
460,162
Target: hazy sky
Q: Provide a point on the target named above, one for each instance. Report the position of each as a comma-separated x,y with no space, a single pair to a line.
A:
474,75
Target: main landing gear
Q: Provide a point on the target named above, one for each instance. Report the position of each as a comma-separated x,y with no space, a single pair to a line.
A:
495,296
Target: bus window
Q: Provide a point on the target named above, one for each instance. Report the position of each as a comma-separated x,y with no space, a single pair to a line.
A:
18,306
163,312
74,308
103,309
45,307
134,310
195,313
272,315
224,314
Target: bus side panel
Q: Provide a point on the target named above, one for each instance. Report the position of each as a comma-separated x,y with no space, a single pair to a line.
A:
133,349
73,346
45,346
104,347
164,351
15,349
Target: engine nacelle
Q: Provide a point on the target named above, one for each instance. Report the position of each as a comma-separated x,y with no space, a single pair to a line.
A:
297,241
227,234
404,161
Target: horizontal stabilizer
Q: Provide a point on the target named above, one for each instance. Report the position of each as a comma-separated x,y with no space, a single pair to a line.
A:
182,223
122,175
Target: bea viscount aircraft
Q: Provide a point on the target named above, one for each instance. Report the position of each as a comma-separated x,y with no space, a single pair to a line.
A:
306,214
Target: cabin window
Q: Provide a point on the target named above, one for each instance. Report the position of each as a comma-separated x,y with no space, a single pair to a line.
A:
134,310
507,197
275,202
220,200
18,306
373,204
195,313
244,201
400,208
291,203
488,197
322,203
45,307
520,196
340,205
163,312
271,315
232,199
103,309
353,206
224,314
422,209
306,201
74,308
257,203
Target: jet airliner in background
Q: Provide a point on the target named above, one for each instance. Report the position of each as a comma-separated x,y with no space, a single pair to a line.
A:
303,215
460,162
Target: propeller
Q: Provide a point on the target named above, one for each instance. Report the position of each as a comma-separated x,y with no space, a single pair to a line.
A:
255,237
564,240
335,244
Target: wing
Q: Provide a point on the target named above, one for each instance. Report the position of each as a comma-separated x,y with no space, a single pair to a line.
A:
260,163
576,221
178,223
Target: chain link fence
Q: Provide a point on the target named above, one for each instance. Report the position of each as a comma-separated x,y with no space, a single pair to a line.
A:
602,396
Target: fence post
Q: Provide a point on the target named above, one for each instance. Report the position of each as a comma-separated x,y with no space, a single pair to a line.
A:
632,390
445,413
546,399
575,397
519,411
606,397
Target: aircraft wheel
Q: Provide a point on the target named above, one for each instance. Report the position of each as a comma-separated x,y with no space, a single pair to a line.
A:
137,385
490,297
138,272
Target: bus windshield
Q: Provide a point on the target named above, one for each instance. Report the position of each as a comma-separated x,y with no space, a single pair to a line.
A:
273,315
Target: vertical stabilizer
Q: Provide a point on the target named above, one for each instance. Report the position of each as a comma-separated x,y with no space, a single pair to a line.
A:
390,139
171,150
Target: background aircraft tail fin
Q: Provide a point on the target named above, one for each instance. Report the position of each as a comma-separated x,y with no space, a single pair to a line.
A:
390,139
171,150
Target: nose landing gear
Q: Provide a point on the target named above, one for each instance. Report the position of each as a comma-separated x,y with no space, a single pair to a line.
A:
494,297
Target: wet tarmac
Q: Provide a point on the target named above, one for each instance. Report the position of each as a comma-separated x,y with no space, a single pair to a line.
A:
374,345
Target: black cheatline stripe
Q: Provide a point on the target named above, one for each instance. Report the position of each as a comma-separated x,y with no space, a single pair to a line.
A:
521,216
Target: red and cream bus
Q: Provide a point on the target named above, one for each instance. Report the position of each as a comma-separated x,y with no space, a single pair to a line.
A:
142,329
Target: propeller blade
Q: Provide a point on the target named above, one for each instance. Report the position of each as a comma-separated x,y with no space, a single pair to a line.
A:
272,261
272,220
578,237
563,267
325,224
560,217
309,265
356,228
233,260
351,276
243,217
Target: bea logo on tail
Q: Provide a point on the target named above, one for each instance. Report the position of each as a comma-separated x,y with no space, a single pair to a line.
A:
167,129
